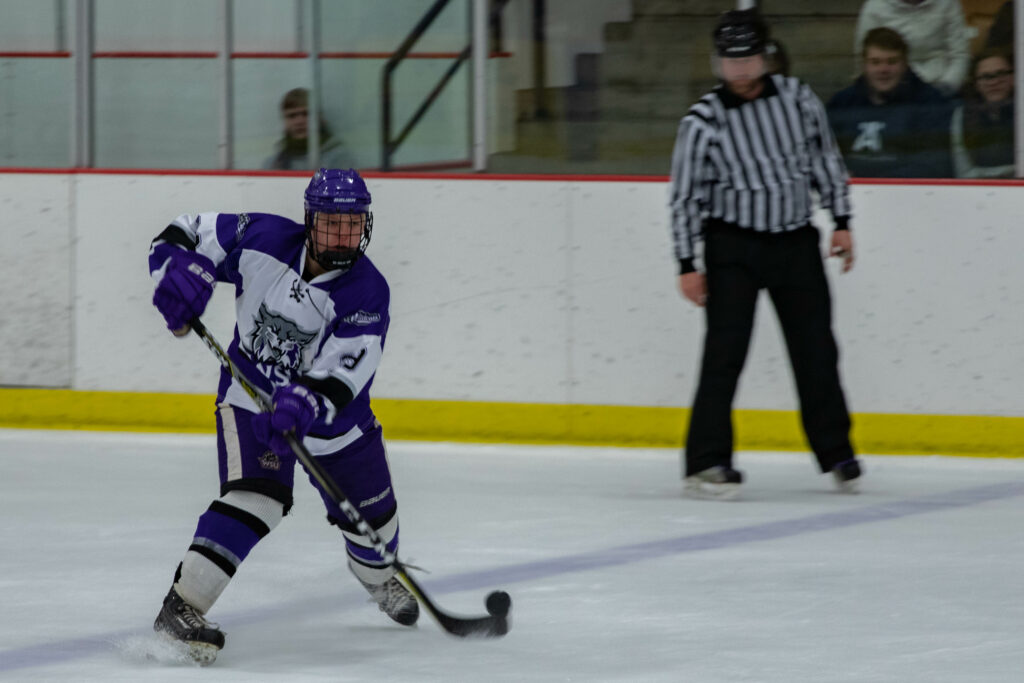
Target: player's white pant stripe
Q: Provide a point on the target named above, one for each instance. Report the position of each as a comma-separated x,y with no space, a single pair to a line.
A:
325,446
231,446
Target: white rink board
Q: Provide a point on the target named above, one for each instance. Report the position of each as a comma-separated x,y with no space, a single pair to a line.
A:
555,292
35,280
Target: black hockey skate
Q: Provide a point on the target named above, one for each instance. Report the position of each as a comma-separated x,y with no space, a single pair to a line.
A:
394,600
181,621
715,483
847,475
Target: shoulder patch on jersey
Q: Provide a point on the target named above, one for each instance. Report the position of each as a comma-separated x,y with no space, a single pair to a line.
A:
243,223
362,318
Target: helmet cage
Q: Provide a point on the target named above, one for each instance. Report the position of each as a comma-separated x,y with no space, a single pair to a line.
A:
341,258
333,192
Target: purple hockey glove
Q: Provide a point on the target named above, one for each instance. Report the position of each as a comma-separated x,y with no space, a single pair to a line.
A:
185,289
295,409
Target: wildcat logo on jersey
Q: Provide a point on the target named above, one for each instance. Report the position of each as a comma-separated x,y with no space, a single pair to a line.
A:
243,223
277,344
362,318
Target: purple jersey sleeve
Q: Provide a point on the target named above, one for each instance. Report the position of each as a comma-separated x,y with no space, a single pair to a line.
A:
213,235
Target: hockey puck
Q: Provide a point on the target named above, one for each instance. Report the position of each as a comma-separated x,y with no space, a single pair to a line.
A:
498,604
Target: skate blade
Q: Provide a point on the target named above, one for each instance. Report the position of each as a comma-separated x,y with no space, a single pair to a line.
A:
848,487
202,654
702,490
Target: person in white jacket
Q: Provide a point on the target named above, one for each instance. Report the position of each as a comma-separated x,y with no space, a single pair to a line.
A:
935,32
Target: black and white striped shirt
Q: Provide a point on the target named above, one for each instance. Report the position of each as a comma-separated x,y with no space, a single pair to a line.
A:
754,164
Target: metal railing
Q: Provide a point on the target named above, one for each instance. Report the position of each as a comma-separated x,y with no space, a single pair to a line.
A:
390,145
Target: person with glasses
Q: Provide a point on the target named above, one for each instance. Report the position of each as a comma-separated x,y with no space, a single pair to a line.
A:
982,128
292,150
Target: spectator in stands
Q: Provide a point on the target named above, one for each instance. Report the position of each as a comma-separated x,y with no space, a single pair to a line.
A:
890,123
935,32
1000,33
983,126
292,152
776,57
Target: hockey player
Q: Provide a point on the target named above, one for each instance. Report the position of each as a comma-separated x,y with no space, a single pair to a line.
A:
311,320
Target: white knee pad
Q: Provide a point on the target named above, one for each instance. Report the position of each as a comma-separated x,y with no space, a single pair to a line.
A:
268,510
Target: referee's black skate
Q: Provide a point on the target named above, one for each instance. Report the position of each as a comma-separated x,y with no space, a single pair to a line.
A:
394,600
847,475
720,482
181,621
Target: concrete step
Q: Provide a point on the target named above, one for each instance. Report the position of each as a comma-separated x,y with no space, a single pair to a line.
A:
530,103
650,139
668,8
605,139
542,138
558,139
525,163
647,65
813,36
578,101
690,33
628,100
622,103
817,8
662,8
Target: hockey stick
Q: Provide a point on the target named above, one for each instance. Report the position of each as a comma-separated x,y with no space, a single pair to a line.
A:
498,603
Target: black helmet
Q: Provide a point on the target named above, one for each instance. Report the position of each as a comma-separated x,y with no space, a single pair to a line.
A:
740,33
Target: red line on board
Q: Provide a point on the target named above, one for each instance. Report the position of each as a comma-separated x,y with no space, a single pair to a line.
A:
421,175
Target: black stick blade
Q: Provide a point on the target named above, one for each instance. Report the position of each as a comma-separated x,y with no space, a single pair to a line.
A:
494,625
491,626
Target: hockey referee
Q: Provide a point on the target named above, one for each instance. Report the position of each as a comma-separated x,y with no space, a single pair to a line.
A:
747,157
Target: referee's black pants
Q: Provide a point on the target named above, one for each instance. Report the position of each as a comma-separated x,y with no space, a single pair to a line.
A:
738,264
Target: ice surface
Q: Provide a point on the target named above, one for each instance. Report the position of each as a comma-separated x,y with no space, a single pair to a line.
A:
613,575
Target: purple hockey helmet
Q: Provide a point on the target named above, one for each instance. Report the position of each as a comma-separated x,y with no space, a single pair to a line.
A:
337,191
